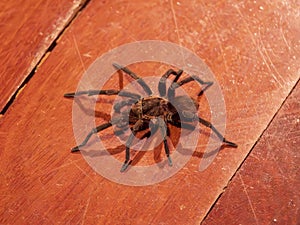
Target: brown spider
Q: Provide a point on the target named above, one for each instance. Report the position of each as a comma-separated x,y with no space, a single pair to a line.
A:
152,112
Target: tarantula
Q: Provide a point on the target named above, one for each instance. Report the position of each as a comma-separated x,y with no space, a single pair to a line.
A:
144,110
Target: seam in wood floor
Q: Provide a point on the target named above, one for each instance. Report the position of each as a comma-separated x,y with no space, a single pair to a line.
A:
43,57
254,145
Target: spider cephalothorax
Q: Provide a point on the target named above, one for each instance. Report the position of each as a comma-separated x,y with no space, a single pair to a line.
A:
152,112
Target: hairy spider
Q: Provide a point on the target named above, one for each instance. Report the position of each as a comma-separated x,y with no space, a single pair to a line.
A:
145,110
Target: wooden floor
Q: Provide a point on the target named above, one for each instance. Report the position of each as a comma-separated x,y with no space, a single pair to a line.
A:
251,47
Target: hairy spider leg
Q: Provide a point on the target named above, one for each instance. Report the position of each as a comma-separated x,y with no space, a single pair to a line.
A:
127,152
136,127
181,124
220,136
103,92
164,131
174,85
171,94
93,131
119,105
163,79
184,124
134,76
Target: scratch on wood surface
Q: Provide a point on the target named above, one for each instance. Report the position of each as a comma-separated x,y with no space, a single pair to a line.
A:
271,63
127,31
78,52
175,20
248,197
84,172
86,209
57,168
219,42
282,34
259,49
177,29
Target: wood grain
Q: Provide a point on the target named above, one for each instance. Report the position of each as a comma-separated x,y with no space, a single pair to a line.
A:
266,188
250,48
27,30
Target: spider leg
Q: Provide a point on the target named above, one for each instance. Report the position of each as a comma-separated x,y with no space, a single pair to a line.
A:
103,92
93,131
119,105
182,125
164,130
127,153
136,127
171,91
134,76
162,125
186,125
209,125
163,79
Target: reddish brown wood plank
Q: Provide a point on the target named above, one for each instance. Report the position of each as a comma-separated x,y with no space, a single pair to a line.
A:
255,66
266,188
27,30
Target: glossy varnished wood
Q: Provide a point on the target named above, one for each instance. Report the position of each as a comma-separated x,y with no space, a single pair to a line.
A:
27,30
252,50
266,188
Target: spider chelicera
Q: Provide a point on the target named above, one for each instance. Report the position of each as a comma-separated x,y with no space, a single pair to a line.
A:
152,112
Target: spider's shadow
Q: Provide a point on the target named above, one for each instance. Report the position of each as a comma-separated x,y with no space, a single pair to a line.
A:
121,148
157,152
90,111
